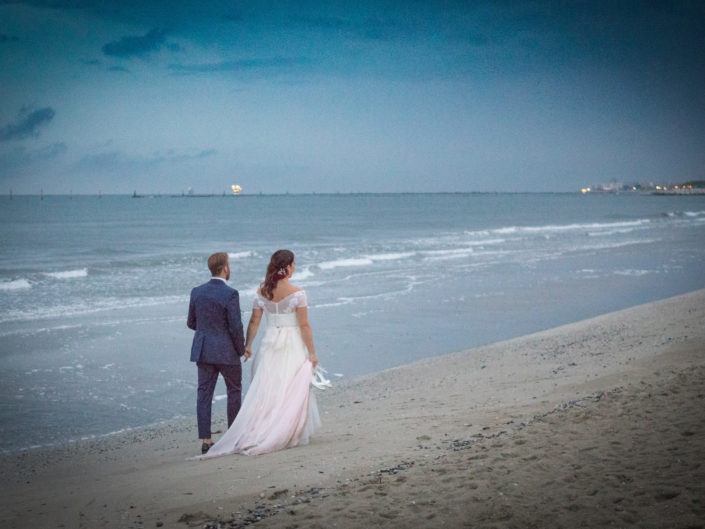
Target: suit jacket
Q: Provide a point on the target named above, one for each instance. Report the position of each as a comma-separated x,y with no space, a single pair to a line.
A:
214,313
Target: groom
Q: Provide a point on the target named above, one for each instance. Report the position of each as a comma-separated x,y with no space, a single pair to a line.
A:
214,313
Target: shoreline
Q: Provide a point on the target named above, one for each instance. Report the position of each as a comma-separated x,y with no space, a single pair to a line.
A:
182,415
431,418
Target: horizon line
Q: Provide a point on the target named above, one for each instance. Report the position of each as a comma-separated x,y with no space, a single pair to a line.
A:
310,193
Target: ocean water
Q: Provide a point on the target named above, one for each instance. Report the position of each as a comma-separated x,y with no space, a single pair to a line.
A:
94,291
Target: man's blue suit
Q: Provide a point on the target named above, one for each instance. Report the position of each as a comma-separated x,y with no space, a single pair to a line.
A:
218,344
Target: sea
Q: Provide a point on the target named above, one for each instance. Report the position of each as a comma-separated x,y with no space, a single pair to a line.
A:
94,290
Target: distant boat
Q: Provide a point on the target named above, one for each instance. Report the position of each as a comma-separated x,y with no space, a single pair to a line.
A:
236,189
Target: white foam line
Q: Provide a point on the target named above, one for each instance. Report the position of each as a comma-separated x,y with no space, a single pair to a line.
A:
384,295
608,246
633,273
573,227
68,274
240,255
609,232
479,233
344,301
17,284
455,251
304,273
485,242
329,265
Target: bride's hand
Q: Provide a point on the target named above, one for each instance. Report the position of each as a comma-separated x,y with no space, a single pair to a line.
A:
314,360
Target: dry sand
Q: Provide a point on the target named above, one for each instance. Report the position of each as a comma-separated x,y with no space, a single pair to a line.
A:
600,423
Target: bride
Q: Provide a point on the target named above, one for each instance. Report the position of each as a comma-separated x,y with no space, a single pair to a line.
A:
279,410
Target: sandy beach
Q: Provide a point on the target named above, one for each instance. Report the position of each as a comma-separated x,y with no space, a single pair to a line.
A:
600,423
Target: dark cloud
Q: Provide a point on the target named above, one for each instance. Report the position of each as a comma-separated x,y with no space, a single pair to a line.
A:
205,154
135,45
118,69
20,158
104,161
241,65
118,161
27,125
7,38
49,152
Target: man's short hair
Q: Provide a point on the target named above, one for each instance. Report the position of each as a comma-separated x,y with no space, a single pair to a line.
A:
217,262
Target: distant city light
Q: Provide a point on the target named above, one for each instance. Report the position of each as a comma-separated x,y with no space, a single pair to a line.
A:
689,188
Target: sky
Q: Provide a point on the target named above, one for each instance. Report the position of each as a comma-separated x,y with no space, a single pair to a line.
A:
158,96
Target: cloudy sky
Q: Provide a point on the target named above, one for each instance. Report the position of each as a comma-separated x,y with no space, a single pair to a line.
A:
374,96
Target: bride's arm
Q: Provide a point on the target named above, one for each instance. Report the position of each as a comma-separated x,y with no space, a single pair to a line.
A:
252,331
306,333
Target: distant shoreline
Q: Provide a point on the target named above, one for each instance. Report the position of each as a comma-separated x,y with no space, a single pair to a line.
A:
698,192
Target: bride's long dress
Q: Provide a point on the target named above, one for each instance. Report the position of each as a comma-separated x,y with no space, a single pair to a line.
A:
279,409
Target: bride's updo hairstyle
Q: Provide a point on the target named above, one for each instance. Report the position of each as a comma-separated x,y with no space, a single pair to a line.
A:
276,270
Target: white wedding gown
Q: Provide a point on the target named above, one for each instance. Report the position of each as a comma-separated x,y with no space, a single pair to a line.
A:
279,409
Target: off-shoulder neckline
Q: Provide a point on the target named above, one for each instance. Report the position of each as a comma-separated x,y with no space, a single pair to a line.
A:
282,299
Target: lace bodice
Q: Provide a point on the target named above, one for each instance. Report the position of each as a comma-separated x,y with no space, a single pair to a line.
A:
286,305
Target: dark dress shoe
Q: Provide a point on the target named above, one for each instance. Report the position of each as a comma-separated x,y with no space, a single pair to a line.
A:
205,447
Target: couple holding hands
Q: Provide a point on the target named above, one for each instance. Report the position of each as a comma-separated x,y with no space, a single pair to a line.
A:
279,410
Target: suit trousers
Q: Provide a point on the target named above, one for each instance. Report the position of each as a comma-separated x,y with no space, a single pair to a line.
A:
207,378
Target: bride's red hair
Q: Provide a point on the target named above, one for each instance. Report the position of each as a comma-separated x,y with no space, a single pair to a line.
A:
276,270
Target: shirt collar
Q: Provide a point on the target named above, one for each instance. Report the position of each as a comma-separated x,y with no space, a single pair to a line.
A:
221,279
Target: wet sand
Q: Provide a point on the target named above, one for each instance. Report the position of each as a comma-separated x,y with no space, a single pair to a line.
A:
595,424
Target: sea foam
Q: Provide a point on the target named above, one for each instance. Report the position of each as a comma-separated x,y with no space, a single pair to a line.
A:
17,284
68,274
389,256
558,228
632,272
240,255
329,265
300,275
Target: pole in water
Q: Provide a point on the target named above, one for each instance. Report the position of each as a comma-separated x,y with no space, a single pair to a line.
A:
10,193
41,194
